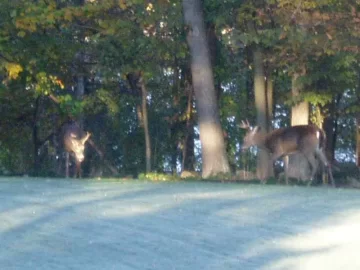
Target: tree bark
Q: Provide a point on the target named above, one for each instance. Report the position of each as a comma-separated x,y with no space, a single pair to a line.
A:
214,159
264,165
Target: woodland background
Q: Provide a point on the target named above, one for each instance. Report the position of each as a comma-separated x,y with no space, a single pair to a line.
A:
122,69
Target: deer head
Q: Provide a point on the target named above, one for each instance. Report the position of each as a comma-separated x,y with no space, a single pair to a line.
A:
77,145
252,135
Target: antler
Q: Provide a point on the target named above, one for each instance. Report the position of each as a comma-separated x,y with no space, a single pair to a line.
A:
86,137
245,125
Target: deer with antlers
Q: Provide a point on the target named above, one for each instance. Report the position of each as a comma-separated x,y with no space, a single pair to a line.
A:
309,140
74,139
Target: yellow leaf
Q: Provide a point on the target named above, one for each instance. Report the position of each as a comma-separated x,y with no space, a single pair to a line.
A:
13,70
150,7
122,4
60,83
21,34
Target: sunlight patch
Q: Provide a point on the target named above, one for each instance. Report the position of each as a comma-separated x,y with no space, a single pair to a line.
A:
332,244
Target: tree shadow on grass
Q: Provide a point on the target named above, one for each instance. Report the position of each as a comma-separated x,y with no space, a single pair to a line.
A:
77,225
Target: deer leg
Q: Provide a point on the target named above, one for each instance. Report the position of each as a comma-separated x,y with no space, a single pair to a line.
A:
329,171
313,164
78,169
286,167
324,161
67,165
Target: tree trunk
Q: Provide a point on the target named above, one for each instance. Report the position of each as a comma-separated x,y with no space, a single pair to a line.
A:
214,56
269,102
298,165
263,160
269,112
79,95
329,126
246,160
137,83
188,157
35,136
146,124
214,159
299,112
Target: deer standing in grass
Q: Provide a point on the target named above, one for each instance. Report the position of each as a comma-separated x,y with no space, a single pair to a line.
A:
74,141
308,140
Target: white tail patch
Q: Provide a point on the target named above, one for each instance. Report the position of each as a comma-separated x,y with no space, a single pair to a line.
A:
317,134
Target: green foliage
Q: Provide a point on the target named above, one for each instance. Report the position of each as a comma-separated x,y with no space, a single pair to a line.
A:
45,84
158,177
44,45
70,106
317,98
101,99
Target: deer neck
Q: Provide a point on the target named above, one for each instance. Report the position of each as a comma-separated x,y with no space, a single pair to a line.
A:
259,139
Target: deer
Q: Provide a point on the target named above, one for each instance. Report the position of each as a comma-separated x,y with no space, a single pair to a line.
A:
309,140
74,139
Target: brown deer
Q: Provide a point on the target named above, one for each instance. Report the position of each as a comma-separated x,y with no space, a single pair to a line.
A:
74,139
308,140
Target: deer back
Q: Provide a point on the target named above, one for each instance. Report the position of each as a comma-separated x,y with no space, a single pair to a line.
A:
302,138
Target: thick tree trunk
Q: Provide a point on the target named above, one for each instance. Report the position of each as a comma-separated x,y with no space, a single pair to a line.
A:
214,157
214,56
298,165
264,166
299,112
